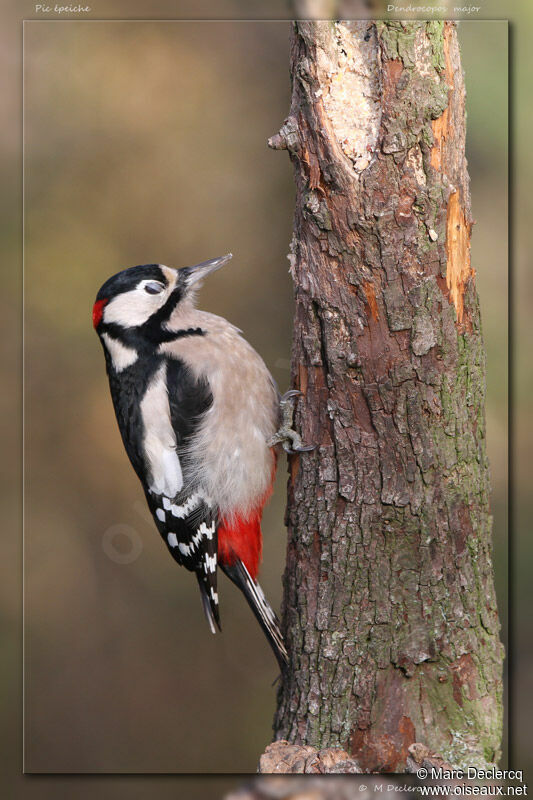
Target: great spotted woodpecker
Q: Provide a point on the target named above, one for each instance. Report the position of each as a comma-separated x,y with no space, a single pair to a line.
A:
199,415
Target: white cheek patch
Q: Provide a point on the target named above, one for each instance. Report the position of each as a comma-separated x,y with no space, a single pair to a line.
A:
121,356
135,307
132,308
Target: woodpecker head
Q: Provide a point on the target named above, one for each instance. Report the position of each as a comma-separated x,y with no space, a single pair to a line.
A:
142,298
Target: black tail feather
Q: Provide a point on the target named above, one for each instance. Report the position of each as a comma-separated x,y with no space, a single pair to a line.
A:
258,603
210,606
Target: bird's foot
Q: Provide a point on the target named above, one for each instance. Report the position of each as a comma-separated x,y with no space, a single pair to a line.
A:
286,435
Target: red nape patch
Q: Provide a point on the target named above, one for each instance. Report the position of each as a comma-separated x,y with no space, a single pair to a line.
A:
98,310
241,539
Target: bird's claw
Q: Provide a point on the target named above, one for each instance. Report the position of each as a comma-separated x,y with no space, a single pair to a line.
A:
294,450
289,394
286,435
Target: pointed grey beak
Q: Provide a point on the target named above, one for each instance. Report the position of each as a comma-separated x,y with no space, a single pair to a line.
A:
199,271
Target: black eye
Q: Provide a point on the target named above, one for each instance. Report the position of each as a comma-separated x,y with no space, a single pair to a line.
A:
153,287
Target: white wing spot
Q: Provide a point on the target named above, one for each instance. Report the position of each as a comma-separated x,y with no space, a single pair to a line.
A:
196,538
210,563
184,548
182,511
206,530
160,514
172,539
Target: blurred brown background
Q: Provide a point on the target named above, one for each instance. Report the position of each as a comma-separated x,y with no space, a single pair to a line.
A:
146,141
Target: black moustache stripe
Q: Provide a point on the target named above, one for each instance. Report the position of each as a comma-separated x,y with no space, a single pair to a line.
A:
143,337
162,316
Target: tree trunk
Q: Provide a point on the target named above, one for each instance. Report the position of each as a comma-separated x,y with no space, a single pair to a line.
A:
389,606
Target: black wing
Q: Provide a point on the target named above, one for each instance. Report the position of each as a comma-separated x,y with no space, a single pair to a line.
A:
188,522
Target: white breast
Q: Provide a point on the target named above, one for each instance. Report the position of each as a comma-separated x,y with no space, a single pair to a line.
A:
159,442
229,456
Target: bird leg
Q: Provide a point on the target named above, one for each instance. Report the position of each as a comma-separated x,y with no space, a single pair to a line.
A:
286,435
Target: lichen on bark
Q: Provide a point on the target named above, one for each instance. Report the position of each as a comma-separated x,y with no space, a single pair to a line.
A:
389,607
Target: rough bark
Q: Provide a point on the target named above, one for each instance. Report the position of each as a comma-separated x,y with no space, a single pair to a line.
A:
389,606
